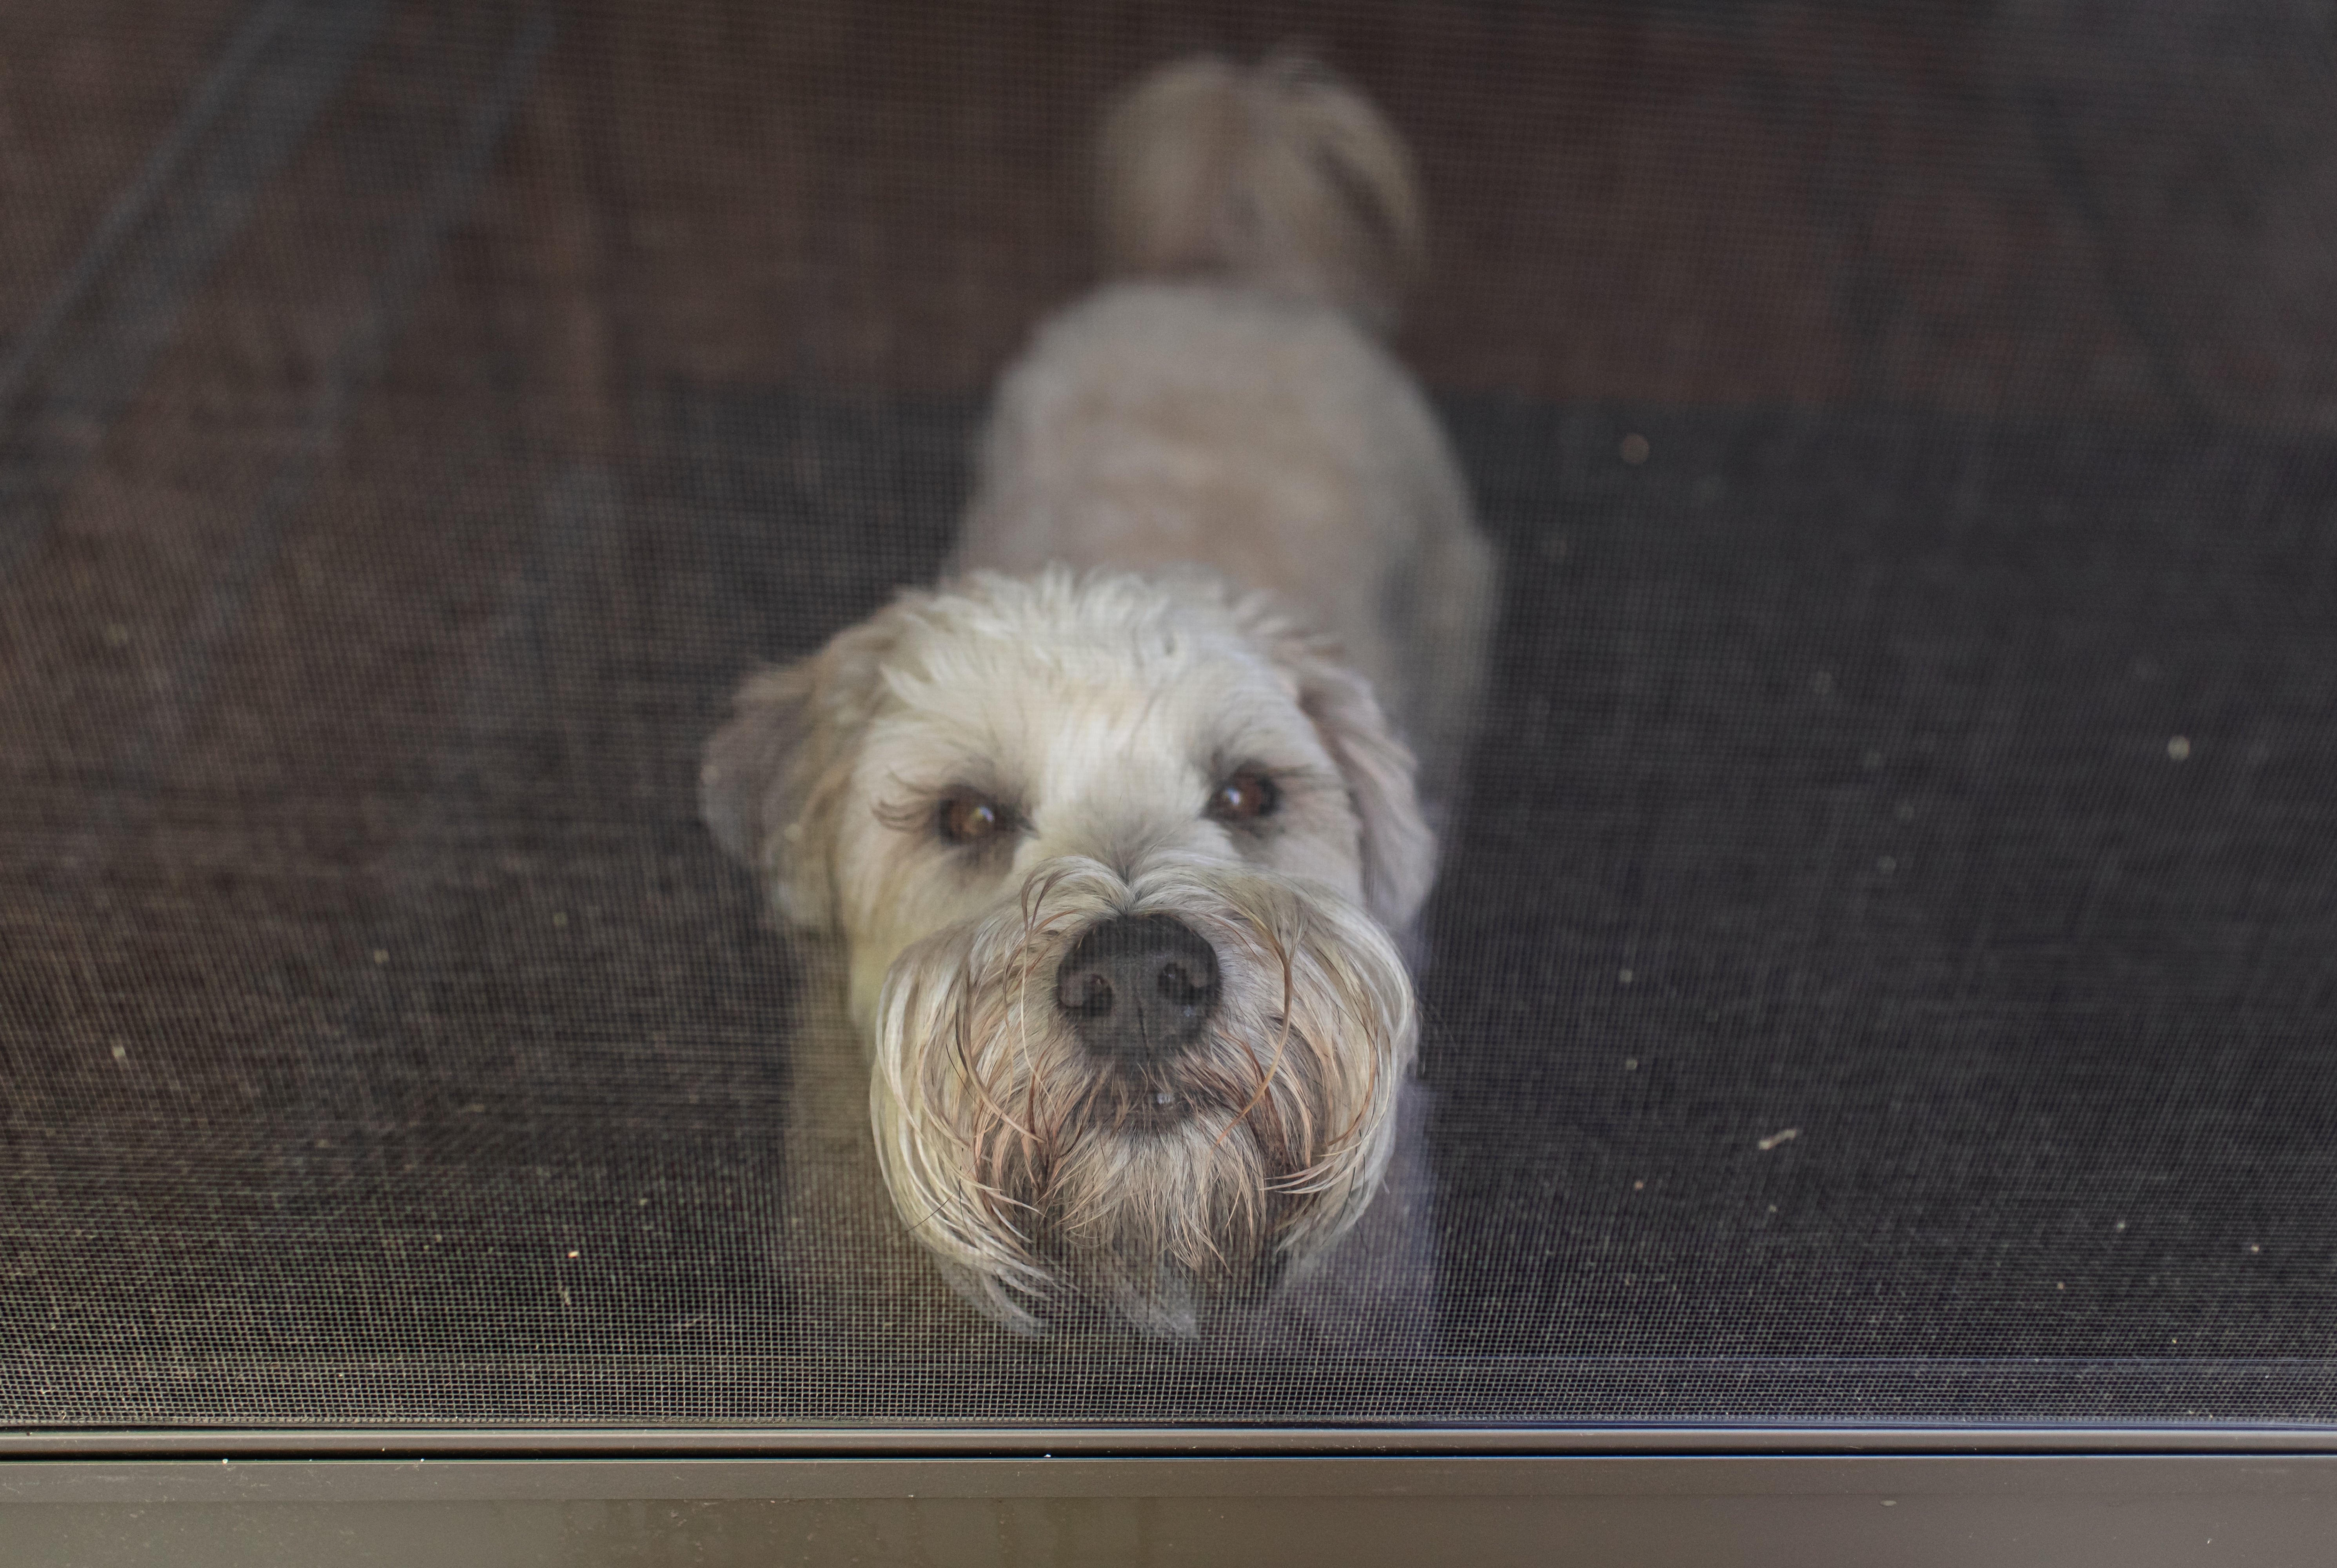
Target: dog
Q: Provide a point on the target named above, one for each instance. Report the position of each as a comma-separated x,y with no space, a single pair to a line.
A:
1125,827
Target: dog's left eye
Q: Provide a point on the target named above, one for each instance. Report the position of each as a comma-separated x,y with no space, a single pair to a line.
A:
1245,798
965,819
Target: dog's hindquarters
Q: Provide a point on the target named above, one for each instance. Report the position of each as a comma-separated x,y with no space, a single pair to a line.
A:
1277,176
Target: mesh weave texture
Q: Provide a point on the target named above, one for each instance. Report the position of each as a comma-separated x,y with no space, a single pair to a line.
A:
1889,966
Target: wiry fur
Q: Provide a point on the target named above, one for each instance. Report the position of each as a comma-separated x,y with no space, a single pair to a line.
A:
1302,552
1021,1161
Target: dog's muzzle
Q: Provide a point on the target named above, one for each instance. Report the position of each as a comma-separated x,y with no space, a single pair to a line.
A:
1138,990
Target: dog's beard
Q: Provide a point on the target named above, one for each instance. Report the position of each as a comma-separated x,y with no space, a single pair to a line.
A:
1043,1176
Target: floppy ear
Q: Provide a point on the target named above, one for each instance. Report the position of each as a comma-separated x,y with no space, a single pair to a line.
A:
1399,849
774,776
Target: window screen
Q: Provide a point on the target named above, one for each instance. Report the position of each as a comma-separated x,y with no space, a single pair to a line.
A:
1885,964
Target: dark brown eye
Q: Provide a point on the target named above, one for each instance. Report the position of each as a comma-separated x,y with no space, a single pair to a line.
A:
1245,798
969,818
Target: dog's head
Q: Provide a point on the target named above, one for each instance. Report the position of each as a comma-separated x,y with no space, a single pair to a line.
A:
1115,860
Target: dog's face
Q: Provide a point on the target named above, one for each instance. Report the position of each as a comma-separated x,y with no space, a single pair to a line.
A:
1115,861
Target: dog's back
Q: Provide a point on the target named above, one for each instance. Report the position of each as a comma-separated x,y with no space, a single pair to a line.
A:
1228,403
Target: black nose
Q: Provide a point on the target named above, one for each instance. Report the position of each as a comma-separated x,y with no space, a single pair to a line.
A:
1138,985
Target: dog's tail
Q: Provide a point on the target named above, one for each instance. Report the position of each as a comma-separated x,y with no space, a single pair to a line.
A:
1278,174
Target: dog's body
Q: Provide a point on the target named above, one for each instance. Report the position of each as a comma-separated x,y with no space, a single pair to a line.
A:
1156,425
1116,834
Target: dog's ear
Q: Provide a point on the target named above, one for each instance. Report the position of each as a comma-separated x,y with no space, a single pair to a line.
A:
1399,849
776,775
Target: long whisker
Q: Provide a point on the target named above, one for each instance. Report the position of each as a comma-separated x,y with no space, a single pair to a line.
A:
962,1038
1362,1103
1281,1046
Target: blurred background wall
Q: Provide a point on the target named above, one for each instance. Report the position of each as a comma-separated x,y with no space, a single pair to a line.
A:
2041,207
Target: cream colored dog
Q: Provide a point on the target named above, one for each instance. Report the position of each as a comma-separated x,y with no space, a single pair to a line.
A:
1115,825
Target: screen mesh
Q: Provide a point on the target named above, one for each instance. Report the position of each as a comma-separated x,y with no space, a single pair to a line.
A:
1887,966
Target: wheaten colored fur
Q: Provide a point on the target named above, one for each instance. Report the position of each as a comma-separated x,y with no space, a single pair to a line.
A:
1155,424
1279,175
1217,533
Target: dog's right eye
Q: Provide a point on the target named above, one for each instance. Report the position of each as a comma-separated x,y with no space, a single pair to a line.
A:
965,819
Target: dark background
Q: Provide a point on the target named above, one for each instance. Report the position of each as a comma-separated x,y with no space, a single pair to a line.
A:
414,417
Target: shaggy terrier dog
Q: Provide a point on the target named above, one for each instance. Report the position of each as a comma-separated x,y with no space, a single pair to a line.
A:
1116,826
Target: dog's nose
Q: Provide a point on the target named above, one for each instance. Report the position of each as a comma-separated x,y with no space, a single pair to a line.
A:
1138,985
